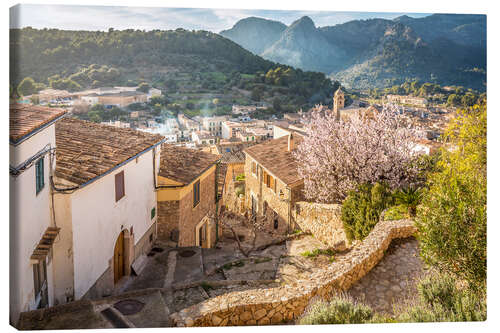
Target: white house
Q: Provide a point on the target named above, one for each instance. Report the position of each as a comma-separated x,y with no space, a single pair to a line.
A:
32,229
105,205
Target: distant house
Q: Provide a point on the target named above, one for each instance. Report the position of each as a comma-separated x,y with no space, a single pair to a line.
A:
187,196
123,98
273,184
32,230
203,137
213,124
105,205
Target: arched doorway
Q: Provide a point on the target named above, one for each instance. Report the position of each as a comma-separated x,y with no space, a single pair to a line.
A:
119,257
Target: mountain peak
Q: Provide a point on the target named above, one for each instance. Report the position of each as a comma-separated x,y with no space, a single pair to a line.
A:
305,22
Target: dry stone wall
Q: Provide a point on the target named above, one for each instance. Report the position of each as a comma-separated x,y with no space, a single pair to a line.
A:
323,221
288,302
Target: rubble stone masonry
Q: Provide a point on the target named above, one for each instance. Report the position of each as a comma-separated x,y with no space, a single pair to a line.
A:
285,303
323,221
182,216
269,202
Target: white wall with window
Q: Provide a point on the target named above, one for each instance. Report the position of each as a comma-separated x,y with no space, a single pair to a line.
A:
30,217
96,214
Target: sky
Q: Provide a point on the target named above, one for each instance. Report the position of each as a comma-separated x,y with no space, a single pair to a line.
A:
149,18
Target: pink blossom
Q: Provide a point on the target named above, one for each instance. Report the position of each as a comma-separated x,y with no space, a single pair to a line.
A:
336,156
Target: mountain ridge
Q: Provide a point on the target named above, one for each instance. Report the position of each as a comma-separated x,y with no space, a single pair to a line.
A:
449,49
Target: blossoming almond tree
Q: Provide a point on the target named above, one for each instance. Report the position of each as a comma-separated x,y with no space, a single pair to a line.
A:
337,155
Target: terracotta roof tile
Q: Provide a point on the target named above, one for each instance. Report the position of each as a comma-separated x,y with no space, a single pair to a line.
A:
275,157
86,150
25,119
184,164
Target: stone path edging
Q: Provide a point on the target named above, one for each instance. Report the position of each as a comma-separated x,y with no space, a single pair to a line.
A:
285,303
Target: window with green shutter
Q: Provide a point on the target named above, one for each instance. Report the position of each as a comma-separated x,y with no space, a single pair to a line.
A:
39,175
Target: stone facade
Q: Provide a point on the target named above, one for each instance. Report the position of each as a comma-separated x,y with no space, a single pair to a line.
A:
168,219
278,211
323,221
288,302
179,216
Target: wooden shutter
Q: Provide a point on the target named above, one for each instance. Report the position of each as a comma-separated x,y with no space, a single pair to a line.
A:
196,193
119,185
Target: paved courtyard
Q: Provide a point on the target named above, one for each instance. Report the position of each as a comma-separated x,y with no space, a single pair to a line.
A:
393,279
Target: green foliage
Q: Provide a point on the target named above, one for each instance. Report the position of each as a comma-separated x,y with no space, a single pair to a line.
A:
398,212
240,177
409,198
452,216
206,286
143,87
27,87
316,252
440,300
362,207
239,190
341,310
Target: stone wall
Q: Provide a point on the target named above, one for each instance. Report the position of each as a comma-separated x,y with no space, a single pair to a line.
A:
321,220
190,216
275,207
285,303
180,214
168,219
232,202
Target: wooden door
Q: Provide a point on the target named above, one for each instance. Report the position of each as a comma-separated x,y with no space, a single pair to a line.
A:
118,261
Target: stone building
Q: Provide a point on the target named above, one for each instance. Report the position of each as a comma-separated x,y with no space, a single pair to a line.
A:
272,182
338,102
187,195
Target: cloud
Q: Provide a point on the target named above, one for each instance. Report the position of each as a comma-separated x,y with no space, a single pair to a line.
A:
149,18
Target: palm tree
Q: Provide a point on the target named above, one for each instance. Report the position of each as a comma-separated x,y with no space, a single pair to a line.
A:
409,197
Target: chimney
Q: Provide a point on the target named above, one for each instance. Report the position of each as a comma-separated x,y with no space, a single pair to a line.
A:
290,142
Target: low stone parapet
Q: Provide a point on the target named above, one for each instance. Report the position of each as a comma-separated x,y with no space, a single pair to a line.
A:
323,221
276,305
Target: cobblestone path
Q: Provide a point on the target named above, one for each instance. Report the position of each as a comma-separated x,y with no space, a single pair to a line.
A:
393,279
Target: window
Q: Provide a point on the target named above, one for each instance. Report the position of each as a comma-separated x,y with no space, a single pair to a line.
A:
153,212
254,169
119,186
40,174
196,193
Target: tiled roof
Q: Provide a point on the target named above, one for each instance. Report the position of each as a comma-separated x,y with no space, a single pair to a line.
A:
275,157
184,164
233,153
86,150
25,119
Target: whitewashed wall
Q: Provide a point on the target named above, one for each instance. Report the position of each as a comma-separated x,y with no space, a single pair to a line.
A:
98,220
30,217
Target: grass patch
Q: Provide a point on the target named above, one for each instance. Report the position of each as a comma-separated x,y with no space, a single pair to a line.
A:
396,213
330,253
206,286
239,263
261,260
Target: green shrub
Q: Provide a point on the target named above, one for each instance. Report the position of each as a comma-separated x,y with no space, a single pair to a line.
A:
398,212
362,207
452,217
341,310
439,299
410,198
240,190
240,177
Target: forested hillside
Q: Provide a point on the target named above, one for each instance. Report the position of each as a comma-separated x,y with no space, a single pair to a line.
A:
176,61
446,49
